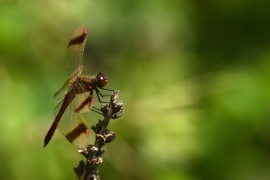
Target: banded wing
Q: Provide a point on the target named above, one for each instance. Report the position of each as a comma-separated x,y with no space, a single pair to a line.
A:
72,124
69,122
73,59
74,54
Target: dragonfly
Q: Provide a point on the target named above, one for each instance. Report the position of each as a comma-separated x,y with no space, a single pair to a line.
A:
76,94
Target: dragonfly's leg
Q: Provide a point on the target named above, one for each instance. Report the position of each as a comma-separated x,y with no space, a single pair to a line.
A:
107,89
102,95
99,94
110,90
109,93
93,108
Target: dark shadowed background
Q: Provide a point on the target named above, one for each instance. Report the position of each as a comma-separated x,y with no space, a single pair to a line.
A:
194,75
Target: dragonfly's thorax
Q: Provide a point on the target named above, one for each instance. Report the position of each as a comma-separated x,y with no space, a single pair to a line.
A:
87,83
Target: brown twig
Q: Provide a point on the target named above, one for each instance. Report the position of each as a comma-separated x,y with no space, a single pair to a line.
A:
92,153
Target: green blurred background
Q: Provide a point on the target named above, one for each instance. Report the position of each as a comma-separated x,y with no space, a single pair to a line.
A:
194,75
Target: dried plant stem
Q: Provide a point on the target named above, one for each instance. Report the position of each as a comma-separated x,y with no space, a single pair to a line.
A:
88,170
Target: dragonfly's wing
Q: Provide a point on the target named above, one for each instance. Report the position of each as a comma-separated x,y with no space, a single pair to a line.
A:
74,54
65,88
72,124
84,102
73,59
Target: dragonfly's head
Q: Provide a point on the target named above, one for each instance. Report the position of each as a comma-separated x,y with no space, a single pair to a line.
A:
101,80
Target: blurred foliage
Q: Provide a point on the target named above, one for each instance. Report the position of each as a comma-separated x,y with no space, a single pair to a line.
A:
194,76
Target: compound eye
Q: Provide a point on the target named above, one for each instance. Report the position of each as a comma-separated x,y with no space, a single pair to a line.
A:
101,80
